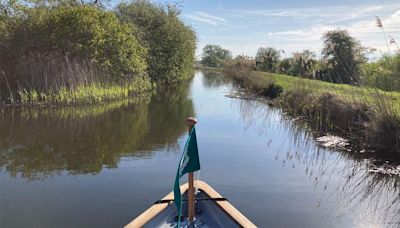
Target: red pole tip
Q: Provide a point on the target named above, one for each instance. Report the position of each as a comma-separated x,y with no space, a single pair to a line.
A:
191,121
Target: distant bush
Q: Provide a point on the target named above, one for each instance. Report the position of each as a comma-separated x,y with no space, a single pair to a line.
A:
239,65
214,55
383,74
171,44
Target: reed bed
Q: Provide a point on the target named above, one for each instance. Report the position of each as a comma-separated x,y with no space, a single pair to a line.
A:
56,79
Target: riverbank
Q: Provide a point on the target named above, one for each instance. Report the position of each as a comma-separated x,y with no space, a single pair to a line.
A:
368,118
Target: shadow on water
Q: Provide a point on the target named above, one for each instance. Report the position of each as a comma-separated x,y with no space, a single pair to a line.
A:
39,143
375,196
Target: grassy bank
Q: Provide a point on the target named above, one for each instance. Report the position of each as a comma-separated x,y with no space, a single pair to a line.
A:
374,98
82,94
369,118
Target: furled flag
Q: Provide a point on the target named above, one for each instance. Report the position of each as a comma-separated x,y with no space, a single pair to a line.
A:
189,163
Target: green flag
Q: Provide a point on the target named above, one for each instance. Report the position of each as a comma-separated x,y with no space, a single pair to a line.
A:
189,163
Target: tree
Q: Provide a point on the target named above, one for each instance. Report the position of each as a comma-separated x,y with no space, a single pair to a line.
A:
267,59
343,55
302,64
213,55
58,3
171,44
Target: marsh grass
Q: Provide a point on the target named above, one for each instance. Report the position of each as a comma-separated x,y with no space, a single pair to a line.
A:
85,94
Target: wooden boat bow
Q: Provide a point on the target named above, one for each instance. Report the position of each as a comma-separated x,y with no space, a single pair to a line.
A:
157,208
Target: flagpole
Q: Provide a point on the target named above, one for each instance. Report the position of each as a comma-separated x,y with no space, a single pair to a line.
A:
190,122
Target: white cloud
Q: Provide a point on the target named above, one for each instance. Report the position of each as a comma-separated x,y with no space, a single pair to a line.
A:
324,13
396,15
206,15
206,18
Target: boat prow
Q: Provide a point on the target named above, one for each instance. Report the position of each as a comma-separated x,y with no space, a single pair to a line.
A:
212,210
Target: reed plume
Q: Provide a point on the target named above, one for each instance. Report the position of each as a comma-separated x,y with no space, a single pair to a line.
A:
393,41
379,24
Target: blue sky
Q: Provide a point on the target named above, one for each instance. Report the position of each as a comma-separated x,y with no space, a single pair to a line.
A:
293,25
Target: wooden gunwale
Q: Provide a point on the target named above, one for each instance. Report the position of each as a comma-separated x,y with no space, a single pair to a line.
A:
155,209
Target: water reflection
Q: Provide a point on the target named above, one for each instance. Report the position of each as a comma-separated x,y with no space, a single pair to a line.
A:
212,78
39,143
343,179
267,165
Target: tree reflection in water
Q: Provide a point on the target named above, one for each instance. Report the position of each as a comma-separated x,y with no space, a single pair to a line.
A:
341,177
37,143
214,79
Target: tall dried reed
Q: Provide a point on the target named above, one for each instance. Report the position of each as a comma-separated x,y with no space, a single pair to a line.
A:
36,77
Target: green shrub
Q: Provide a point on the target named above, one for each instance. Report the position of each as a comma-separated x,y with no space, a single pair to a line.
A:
83,32
272,91
383,74
170,42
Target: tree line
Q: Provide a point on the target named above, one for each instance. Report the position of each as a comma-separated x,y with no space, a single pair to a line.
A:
47,45
343,60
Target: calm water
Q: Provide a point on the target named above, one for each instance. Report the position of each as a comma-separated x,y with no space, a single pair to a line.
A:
102,166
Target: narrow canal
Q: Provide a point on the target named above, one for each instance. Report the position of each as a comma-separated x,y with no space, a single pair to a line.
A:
102,166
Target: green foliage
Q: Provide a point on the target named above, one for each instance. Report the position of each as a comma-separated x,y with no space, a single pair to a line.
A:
214,55
78,32
170,42
9,9
69,47
383,74
267,59
343,55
